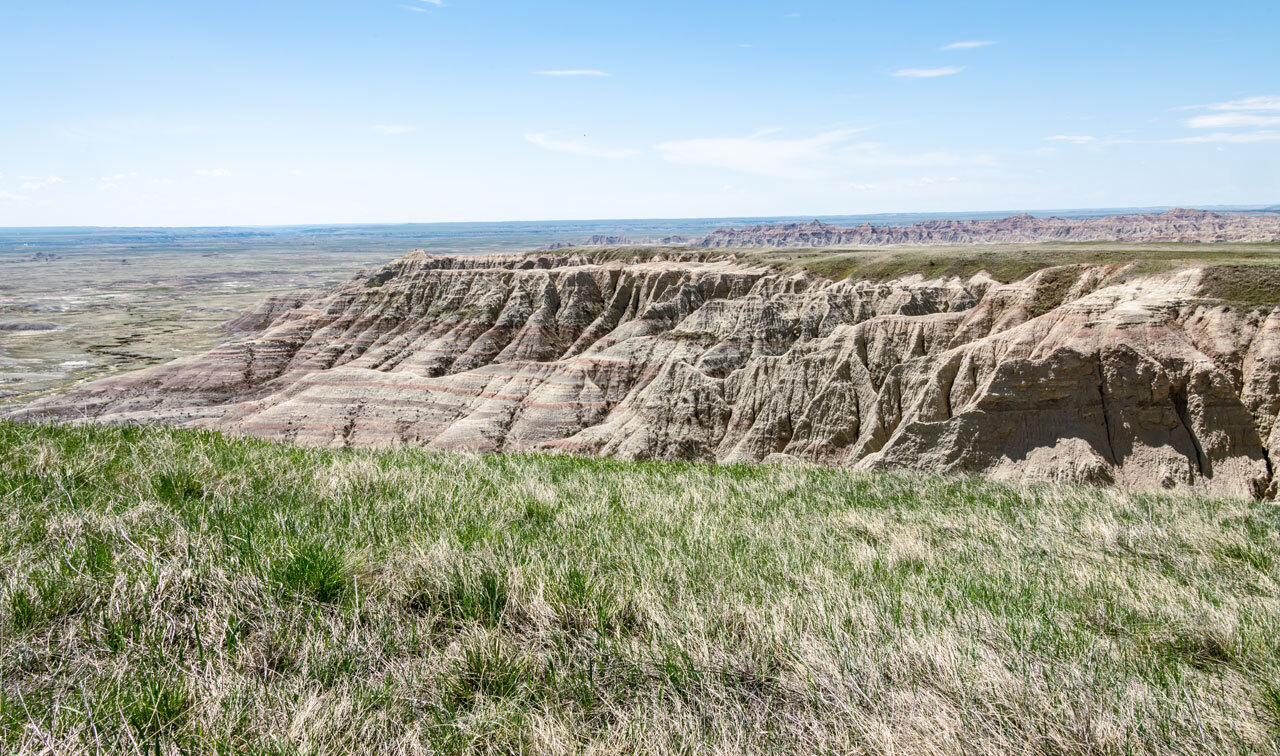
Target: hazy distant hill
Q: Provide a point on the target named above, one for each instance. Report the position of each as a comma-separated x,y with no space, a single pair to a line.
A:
1178,225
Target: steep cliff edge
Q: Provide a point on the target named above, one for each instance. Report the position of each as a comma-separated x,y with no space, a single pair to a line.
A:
1081,373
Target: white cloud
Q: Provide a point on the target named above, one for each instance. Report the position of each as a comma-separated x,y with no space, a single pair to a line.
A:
437,3
827,154
1255,115
1234,137
572,72
576,147
109,183
1073,138
1232,120
8,197
928,73
967,45
782,158
297,172
414,8
1263,102
213,172
393,128
35,184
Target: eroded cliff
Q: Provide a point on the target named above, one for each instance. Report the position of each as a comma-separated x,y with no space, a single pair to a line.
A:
1081,373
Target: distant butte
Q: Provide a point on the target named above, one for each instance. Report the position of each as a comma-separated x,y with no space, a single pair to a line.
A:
1178,225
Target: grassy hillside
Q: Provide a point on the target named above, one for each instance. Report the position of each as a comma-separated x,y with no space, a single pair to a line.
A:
1238,273
166,590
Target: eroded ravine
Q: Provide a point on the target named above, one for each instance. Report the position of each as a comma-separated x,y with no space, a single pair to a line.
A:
1076,373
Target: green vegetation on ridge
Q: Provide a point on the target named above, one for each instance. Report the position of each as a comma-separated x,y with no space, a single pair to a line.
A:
1244,274
167,589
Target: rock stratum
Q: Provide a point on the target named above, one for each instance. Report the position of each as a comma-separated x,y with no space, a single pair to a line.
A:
1173,226
1079,373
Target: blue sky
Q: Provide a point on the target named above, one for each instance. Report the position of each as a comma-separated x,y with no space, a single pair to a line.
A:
274,111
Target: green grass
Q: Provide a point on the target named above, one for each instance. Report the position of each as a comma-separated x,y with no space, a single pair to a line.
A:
166,590
1245,274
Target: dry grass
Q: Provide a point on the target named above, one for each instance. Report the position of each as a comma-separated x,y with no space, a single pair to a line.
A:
167,590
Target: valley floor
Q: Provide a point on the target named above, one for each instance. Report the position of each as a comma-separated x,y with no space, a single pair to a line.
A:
166,589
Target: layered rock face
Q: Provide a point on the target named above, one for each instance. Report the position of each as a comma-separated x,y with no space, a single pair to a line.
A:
1078,373
1171,226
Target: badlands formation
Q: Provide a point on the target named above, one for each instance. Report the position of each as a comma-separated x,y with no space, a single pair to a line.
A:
1178,225
1098,374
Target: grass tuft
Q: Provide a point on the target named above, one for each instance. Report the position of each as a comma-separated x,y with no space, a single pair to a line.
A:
315,570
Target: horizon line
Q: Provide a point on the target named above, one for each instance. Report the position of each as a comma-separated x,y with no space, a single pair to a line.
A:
1117,209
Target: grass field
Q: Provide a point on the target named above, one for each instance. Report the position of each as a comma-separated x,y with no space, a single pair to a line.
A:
1246,274
169,590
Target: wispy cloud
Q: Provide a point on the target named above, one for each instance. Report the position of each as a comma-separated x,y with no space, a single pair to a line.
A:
10,197
1232,120
966,45
572,72
32,183
108,183
1244,113
1236,137
213,172
1263,102
297,172
393,128
827,154
928,73
576,147
1073,138
760,153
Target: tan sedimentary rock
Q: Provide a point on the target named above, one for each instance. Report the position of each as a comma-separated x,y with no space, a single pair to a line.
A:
1126,379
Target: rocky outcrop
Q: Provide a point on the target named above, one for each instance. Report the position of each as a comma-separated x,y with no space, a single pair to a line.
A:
1125,379
607,240
265,312
595,240
1172,226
